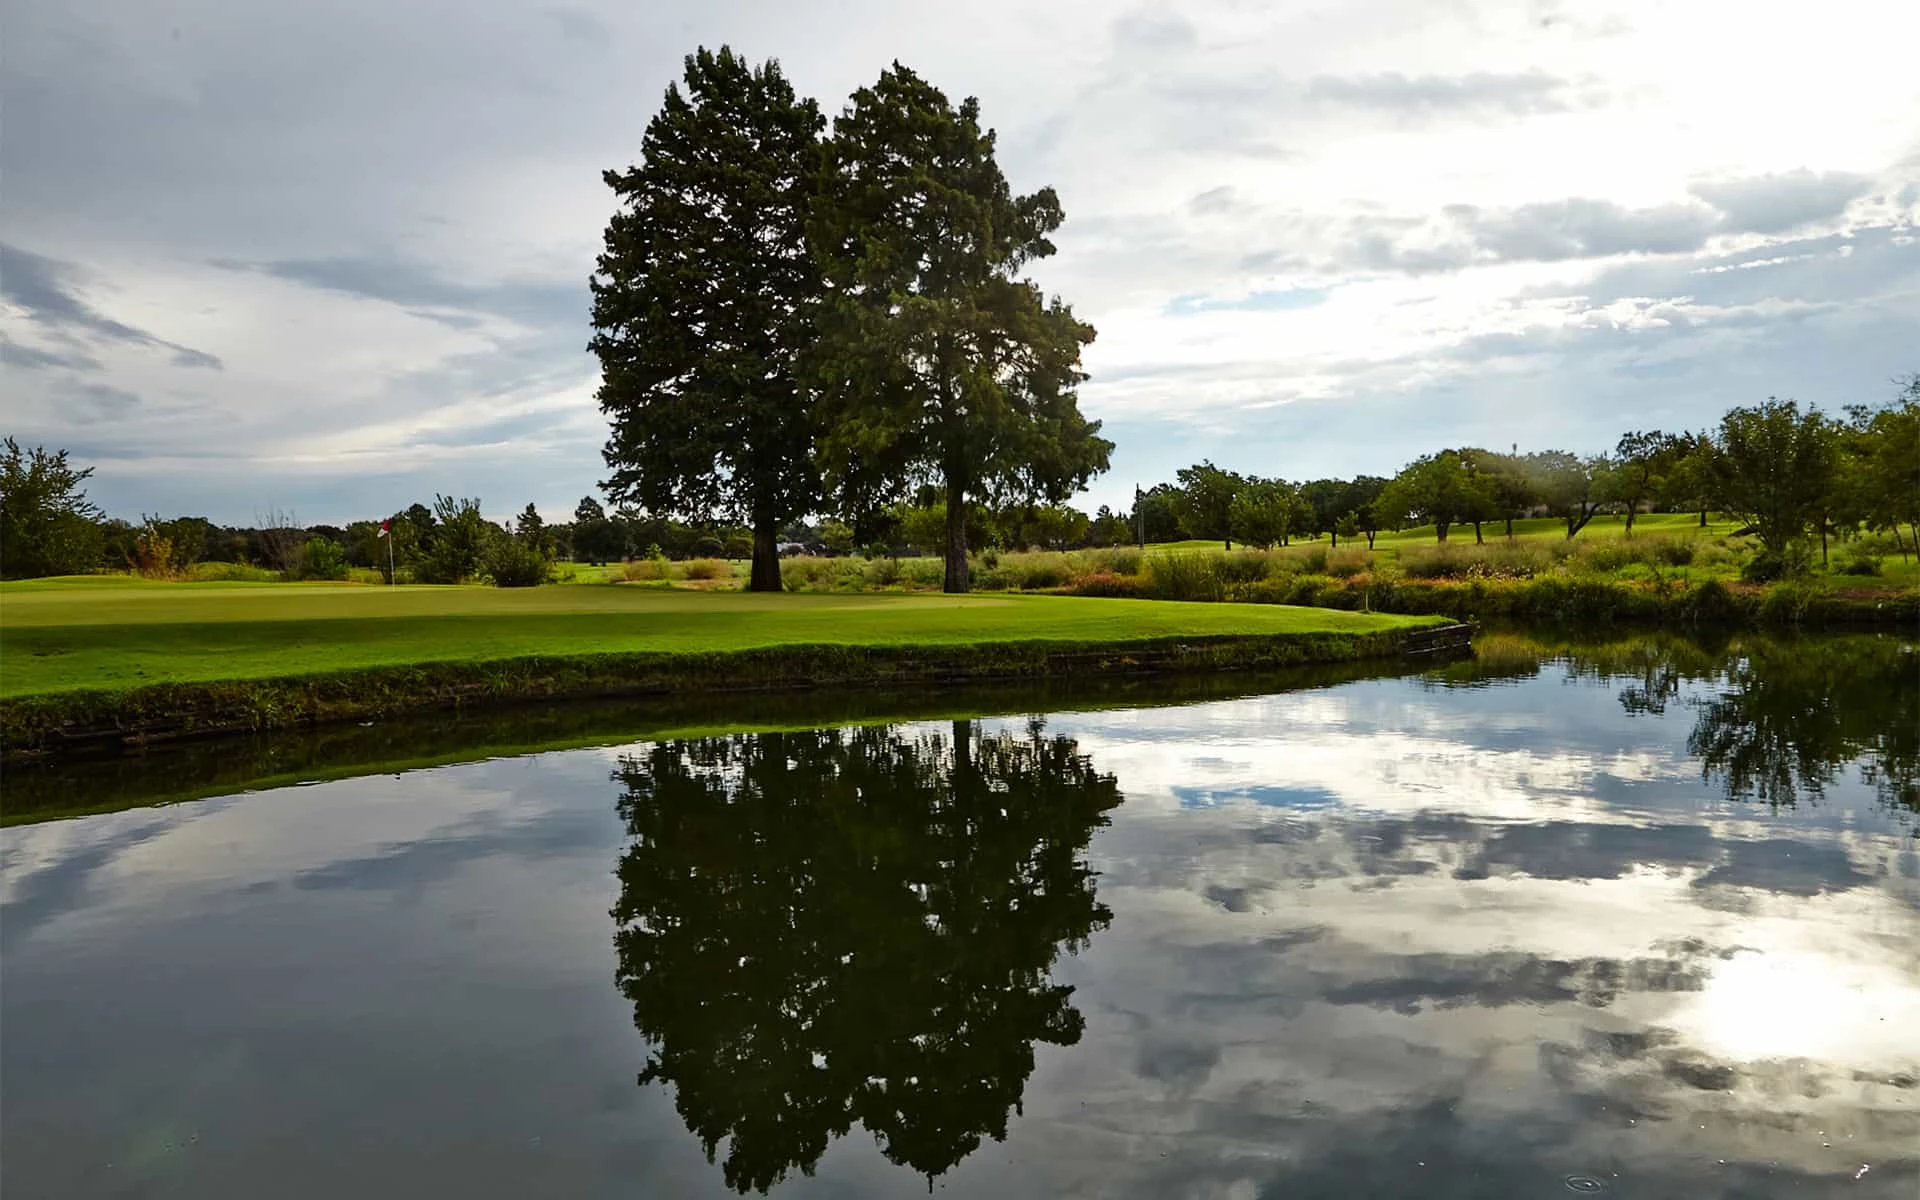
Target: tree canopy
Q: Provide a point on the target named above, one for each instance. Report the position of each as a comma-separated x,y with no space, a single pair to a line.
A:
704,302
47,524
1774,469
937,361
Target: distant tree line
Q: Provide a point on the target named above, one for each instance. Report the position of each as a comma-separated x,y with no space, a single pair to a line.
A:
1794,477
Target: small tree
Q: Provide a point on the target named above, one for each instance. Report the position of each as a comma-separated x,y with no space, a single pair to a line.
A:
47,525
1264,511
1348,526
460,543
1775,467
529,528
1690,478
1573,486
1641,462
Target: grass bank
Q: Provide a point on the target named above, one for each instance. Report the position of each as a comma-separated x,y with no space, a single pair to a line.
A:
85,663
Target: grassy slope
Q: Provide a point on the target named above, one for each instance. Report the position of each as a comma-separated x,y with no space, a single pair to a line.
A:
57,635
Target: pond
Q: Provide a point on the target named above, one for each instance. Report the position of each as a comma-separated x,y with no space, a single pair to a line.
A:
1638,918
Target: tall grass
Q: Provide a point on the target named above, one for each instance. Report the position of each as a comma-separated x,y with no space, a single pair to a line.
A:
1186,577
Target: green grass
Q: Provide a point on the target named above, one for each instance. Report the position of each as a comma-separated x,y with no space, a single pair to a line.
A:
111,633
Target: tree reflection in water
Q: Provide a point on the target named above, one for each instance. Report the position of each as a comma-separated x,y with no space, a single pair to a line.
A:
834,926
1792,715
1785,716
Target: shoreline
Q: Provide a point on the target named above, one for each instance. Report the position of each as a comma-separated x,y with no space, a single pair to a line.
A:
79,722
1779,607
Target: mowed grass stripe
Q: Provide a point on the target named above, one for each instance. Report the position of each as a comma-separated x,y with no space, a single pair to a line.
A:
63,638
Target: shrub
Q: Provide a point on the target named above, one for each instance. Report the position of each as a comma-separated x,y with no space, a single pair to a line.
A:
1713,554
707,547
645,570
883,572
207,572
511,562
1603,557
1346,563
1111,585
1312,560
321,558
1121,560
1786,603
1439,561
1767,565
807,573
1674,552
1856,559
987,574
1185,577
923,572
1710,604
739,546
1242,566
1039,572
1318,591
704,568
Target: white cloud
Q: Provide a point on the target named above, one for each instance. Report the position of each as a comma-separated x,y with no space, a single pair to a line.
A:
1420,171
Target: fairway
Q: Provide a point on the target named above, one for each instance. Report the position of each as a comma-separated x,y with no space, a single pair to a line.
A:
59,635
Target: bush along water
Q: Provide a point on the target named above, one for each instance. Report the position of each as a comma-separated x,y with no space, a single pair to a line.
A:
1685,581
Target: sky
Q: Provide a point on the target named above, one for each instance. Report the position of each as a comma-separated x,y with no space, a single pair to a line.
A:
333,258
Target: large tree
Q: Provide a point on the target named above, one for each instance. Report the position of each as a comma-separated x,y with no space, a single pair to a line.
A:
1775,469
1572,485
47,524
1266,511
1888,469
1203,503
938,361
1436,489
1505,491
704,303
1690,479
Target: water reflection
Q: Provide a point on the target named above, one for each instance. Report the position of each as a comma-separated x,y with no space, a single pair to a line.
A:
1791,717
840,926
1518,927
1776,720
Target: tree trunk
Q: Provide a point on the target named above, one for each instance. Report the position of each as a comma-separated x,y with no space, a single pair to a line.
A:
1477,539
765,575
1823,545
1336,540
1370,534
1703,516
1440,530
957,580
1630,511
1509,526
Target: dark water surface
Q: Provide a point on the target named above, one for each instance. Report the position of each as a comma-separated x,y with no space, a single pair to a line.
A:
1639,919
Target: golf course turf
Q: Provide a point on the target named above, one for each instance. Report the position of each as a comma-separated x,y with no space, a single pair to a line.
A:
86,659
